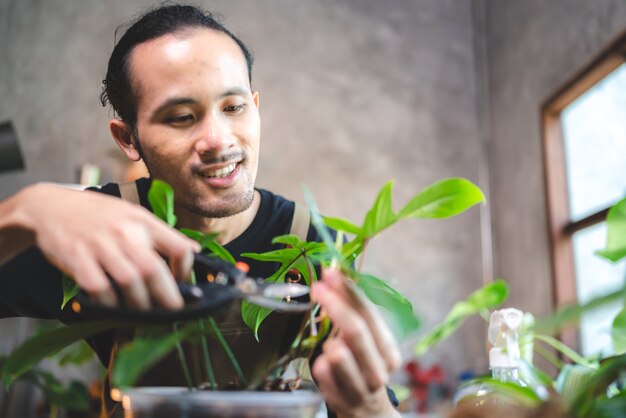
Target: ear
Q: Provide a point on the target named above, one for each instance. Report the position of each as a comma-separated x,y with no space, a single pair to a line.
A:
255,97
123,135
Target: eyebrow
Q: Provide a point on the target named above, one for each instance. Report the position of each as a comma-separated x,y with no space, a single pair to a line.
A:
174,102
234,91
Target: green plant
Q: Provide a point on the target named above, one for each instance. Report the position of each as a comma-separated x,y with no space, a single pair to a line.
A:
584,388
441,200
57,396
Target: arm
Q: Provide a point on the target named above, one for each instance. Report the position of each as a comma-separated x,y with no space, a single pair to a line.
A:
354,367
91,236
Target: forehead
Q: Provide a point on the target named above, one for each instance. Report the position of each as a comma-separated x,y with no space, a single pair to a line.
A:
186,58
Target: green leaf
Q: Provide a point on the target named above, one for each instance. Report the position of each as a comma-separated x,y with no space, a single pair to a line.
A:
70,289
253,316
618,332
306,269
209,242
285,255
194,235
571,380
443,199
381,215
593,392
526,335
78,353
534,376
161,198
510,391
217,249
614,407
134,358
339,224
383,295
48,343
74,397
291,240
616,233
571,313
566,351
320,227
299,256
487,297
352,249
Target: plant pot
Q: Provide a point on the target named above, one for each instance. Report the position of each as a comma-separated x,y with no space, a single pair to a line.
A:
177,402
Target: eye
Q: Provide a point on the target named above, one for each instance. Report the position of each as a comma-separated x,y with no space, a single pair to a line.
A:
234,108
180,119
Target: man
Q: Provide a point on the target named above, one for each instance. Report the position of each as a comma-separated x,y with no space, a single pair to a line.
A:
181,85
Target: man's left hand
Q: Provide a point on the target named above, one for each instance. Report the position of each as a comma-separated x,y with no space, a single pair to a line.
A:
353,370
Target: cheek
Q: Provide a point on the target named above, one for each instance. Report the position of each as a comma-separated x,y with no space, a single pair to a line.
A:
253,137
163,146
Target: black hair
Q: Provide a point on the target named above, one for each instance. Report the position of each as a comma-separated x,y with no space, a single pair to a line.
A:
117,86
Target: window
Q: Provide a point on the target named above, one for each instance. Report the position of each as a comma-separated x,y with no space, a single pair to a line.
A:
585,161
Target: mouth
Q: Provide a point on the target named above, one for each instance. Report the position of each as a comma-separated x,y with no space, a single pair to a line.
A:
219,173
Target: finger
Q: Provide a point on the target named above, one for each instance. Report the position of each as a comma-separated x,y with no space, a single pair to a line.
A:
153,271
345,371
355,332
381,333
90,278
181,265
168,241
126,276
159,280
136,294
322,372
163,289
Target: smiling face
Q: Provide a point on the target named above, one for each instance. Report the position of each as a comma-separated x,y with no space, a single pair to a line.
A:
198,123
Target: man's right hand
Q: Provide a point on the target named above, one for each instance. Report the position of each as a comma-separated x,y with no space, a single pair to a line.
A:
90,236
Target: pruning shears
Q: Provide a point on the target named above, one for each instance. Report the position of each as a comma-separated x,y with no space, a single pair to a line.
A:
218,284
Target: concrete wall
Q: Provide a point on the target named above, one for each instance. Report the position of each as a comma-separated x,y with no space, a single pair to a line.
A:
353,93
533,47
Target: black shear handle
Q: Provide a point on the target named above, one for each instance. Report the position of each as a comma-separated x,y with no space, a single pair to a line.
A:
213,296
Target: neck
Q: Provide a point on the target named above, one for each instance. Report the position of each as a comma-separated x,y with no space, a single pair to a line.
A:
228,228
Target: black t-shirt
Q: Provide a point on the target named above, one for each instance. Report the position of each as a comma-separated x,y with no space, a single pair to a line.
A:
30,286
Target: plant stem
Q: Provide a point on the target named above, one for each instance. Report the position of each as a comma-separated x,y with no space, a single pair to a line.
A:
227,350
183,361
362,255
293,352
551,358
207,359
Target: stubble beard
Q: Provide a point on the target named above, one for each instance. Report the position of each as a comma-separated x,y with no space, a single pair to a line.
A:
230,205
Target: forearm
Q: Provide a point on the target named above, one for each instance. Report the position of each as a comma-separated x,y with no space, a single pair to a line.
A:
16,233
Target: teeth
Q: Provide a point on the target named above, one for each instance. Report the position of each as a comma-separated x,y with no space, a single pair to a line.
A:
222,172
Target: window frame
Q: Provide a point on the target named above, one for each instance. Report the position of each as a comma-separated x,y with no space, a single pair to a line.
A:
561,227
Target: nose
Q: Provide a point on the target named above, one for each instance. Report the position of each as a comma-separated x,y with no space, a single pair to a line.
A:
213,136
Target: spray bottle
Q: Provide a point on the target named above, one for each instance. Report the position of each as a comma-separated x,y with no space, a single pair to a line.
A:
504,355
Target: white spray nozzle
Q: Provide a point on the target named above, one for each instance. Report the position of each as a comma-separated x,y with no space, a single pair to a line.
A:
502,335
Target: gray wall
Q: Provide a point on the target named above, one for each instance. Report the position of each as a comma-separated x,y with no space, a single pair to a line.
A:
353,93
534,47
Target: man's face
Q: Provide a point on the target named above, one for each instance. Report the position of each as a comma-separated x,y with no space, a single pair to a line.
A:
198,123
